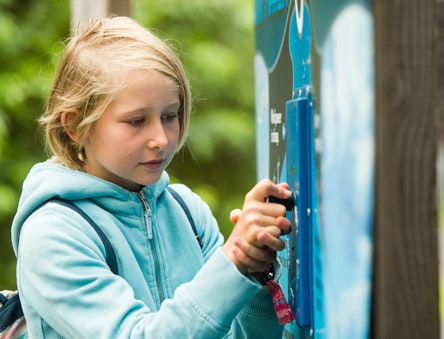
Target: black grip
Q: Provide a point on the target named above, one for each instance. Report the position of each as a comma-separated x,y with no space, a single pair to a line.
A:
288,203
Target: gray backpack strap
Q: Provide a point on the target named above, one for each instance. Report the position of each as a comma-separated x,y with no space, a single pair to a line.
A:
111,260
187,212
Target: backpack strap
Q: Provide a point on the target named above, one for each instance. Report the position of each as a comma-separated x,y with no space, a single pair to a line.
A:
12,321
111,260
10,310
110,254
187,212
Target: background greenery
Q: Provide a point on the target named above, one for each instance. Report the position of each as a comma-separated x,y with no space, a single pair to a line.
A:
215,40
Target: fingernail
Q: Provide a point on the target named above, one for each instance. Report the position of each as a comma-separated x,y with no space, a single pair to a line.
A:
287,193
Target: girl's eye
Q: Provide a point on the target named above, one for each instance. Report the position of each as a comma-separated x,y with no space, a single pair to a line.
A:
136,122
169,117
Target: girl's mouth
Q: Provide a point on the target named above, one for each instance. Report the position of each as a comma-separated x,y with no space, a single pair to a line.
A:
154,164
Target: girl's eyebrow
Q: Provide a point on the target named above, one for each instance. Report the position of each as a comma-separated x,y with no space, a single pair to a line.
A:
172,106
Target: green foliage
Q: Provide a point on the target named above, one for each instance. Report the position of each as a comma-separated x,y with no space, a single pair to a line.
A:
28,41
215,42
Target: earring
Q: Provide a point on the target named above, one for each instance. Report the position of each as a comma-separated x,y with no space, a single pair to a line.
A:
80,156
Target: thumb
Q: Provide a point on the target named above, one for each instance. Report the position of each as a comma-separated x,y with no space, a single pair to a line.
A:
234,215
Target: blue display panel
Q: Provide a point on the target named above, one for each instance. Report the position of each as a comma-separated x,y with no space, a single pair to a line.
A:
315,130
305,280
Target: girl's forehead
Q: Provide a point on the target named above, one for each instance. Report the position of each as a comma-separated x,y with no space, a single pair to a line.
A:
145,90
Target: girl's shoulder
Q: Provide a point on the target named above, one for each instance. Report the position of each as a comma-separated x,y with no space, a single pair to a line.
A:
184,195
181,191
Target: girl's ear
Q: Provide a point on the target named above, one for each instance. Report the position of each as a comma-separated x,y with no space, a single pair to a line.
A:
67,119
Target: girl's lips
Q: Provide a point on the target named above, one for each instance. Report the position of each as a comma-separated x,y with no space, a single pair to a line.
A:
154,164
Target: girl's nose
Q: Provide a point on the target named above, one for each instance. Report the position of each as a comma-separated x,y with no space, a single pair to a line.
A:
157,138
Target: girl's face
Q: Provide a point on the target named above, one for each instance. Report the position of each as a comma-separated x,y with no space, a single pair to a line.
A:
137,135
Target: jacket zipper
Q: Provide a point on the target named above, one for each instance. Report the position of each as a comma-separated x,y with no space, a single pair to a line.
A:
149,228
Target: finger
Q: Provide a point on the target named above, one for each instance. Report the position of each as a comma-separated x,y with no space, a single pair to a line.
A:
274,209
284,185
234,215
271,241
266,237
249,264
263,255
284,224
275,231
264,188
258,209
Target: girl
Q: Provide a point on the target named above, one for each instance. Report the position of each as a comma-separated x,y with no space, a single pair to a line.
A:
118,112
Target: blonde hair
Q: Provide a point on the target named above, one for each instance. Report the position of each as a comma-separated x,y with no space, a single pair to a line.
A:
92,71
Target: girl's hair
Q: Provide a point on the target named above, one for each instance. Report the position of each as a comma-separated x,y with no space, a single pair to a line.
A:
92,71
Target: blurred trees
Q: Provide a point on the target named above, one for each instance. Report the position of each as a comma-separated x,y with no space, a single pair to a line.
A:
215,42
29,32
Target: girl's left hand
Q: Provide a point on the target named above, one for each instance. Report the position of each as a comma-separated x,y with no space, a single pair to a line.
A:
256,254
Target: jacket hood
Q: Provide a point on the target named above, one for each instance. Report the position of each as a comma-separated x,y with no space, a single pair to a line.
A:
48,180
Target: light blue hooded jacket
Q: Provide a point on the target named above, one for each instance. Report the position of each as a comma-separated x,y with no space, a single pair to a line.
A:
167,287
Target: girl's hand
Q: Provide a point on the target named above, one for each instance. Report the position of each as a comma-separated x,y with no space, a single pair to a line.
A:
255,238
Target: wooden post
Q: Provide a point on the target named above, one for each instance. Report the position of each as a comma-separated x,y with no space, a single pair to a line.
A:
405,302
82,10
119,7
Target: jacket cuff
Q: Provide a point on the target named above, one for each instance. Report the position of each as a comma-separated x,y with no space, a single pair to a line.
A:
261,305
219,291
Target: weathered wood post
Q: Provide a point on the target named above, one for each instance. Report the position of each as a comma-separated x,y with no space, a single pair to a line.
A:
84,9
405,290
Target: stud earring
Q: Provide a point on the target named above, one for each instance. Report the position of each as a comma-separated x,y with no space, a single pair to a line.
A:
80,156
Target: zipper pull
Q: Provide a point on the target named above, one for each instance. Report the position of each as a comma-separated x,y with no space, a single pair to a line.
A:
146,215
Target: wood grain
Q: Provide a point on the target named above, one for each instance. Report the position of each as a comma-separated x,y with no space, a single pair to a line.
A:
405,295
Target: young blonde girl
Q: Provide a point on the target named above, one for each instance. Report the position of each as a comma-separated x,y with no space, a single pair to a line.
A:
118,111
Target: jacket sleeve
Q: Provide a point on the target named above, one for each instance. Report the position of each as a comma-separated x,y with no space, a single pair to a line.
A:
66,288
257,318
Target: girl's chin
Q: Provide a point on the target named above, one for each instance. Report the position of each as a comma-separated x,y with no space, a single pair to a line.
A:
137,186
